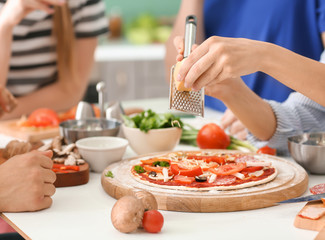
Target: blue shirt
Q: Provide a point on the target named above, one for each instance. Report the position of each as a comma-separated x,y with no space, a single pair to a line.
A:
294,24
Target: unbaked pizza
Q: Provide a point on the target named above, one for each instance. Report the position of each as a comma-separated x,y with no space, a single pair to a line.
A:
203,170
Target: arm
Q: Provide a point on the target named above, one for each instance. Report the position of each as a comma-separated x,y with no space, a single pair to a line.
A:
23,173
249,108
218,59
64,93
188,7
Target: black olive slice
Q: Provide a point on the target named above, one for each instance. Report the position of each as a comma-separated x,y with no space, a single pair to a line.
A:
200,178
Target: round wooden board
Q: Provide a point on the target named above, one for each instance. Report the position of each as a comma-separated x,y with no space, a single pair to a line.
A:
291,181
72,178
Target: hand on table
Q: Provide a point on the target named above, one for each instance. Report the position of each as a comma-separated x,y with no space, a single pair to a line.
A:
26,182
236,127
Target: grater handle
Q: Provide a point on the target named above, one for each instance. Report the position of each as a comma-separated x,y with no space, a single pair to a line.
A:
190,34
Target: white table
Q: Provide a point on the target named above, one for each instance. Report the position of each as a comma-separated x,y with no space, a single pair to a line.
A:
83,212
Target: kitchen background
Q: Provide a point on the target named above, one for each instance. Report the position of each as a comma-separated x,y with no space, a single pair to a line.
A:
130,59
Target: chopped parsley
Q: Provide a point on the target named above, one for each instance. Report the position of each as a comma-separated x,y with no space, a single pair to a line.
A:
139,169
109,174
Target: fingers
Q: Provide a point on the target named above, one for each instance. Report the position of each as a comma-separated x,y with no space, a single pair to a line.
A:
49,190
238,129
46,202
227,119
45,159
7,100
195,64
48,176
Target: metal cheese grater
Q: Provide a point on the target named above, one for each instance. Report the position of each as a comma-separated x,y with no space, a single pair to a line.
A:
186,101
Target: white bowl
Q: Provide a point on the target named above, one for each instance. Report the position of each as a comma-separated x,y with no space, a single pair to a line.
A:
155,140
99,152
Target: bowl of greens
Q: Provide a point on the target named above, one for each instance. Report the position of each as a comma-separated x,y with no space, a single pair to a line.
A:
149,132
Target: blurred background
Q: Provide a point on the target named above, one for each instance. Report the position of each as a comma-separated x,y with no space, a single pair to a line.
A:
130,58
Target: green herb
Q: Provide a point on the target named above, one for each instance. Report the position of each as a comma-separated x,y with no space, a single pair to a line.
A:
109,174
139,169
161,163
147,120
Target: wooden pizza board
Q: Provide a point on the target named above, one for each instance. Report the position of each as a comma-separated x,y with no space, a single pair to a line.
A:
11,128
309,224
291,181
72,178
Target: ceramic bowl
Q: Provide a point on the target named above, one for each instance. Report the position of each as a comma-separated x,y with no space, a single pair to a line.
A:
155,140
308,150
99,152
73,130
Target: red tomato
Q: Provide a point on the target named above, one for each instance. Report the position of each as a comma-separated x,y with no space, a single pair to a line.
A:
43,117
211,136
228,169
183,179
267,150
152,221
196,171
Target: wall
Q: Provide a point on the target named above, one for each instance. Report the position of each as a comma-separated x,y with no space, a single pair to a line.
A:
130,9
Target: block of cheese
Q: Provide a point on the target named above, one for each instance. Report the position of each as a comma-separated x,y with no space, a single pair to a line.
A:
179,84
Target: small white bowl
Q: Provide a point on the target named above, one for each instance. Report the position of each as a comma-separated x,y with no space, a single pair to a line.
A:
155,140
99,152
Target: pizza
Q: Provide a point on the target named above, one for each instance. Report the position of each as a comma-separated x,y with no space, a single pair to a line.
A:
203,170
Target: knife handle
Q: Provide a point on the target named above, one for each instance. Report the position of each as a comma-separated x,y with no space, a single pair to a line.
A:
190,34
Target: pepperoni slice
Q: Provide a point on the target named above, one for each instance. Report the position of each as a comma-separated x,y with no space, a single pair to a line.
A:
318,189
224,180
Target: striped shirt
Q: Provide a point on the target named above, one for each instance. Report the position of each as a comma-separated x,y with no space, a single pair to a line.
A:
33,59
298,114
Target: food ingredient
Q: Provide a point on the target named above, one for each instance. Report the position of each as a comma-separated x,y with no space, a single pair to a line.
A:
147,120
266,150
179,84
318,189
190,135
211,136
127,214
42,117
16,147
152,221
148,200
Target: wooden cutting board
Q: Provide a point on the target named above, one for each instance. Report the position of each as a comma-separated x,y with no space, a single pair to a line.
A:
314,225
10,128
291,181
72,178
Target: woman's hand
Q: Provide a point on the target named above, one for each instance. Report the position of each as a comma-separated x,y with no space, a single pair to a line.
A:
218,59
7,101
15,10
235,126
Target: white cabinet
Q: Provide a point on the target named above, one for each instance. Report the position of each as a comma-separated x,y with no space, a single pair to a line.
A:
131,72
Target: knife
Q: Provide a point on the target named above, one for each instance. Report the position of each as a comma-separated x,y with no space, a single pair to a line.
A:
305,198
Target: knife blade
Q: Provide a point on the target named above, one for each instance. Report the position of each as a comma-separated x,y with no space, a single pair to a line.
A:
305,198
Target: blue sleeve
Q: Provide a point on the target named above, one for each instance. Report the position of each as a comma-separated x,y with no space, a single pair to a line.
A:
296,115
321,15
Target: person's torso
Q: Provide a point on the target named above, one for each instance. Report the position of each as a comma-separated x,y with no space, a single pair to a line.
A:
292,24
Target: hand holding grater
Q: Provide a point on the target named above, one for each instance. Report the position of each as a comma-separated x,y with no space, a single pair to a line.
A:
184,99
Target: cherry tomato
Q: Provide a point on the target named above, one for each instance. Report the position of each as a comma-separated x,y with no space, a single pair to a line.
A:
152,221
43,117
211,136
228,169
267,150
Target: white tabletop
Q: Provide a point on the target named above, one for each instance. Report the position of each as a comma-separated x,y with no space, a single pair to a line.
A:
83,212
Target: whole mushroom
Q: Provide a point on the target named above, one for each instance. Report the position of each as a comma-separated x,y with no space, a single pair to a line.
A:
148,199
127,214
